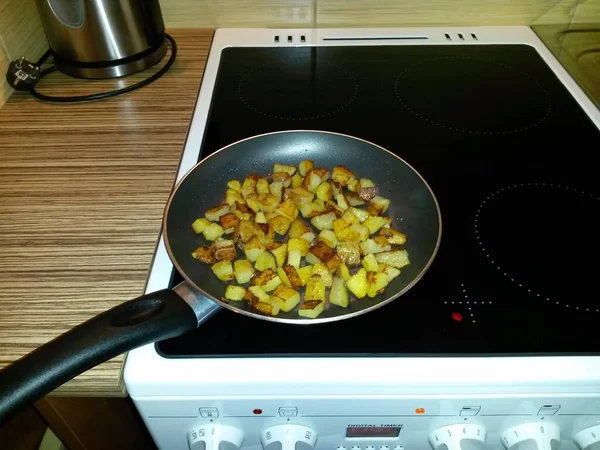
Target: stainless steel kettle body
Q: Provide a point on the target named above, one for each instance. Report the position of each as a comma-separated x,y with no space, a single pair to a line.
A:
103,38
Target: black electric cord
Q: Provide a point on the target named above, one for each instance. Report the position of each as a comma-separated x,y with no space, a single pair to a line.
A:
83,98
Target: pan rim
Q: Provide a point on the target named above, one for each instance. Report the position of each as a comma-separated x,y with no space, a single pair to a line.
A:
275,318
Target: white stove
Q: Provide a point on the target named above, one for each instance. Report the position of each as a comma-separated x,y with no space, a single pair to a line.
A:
368,402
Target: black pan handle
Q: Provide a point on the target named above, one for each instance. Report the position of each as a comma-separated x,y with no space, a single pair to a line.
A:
146,319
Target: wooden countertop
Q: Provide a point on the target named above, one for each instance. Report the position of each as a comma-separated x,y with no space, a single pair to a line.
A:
82,192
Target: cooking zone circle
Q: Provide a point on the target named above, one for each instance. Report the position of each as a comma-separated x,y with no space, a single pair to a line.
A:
472,96
297,89
543,238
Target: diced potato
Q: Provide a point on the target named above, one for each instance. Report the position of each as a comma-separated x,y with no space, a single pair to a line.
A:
304,273
268,202
283,277
357,284
283,177
228,221
292,276
321,172
294,257
324,191
374,223
264,232
280,224
249,186
323,272
298,244
339,294
232,196
377,282
377,245
342,201
328,236
242,211
280,254
353,185
354,199
276,189
342,175
312,259
224,250
244,231
223,270
395,258
235,185
339,225
213,214
350,218
349,252
270,215
291,170
390,271
361,214
228,230
309,210
253,249
305,166
260,217
370,263
356,233
311,181
253,204
298,228
344,272
394,237
268,280
296,180
200,225
235,293
367,189
268,307
311,309
322,251
290,297
205,255
276,303
288,209
244,271
331,206
378,205
333,263
300,196
258,292
323,221
309,237
213,231
315,288
265,261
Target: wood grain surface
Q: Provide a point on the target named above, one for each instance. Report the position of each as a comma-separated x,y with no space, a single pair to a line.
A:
82,192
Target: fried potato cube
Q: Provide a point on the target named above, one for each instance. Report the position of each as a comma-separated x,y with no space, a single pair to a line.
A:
311,309
315,289
333,263
276,303
298,228
276,189
350,217
328,236
253,204
300,196
213,231
322,251
293,277
280,224
374,223
343,272
268,202
377,282
360,214
262,186
323,272
394,237
291,170
342,201
258,294
305,166
339,225
322,172
354,199
280,253
297,180
390,271
224,250
342,175
339,293
243,270
205,255
249,186
229,220
267,280
298,244
357,284
265,260
260,217
370,263
199,225
253,249
267,307
324,191
288,209
223,270
367,189
312,259
349,252
236,293
270,215
396,258
377,245
304,273
283,277
353,185
323,221
378,205
244,231
331,206
264,232
242,211
232,196
290,297
213,214
313,209
294,257
284,177
234,185
356,233
311,181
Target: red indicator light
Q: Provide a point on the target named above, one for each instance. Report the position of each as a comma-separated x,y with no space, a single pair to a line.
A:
257,411
457,316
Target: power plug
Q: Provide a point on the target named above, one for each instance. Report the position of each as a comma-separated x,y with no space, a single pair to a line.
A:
22,75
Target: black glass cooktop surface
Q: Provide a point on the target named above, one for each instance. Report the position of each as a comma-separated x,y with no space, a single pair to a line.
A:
511,157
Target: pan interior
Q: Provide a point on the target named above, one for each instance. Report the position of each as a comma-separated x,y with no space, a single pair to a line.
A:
413,207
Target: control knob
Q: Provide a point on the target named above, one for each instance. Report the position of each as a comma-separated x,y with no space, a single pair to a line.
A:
588,439
532,436
215,437
458,437
288,437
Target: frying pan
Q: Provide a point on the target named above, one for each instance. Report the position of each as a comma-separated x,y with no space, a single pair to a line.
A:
172,312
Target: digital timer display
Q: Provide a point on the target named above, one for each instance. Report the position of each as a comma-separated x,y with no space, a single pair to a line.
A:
372,432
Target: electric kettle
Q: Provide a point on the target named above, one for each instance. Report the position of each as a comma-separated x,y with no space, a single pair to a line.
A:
103,38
